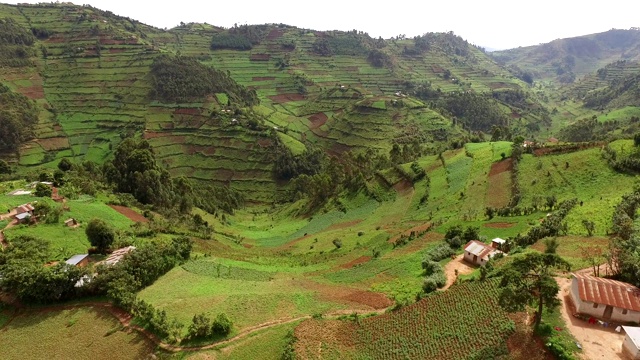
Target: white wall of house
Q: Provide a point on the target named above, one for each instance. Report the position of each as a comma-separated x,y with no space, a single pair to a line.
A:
469,257
597,310
630,348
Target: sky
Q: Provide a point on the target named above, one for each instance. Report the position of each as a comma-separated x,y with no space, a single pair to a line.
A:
493,24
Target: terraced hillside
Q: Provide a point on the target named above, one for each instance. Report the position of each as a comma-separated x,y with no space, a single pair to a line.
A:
566,60
90,75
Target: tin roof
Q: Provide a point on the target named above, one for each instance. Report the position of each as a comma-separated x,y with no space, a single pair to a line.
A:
75,259
633,332
480,249
608,292
117,255
23,216
499,241
24,208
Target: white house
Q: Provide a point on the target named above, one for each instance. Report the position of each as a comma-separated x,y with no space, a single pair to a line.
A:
479,253
631,343
606,299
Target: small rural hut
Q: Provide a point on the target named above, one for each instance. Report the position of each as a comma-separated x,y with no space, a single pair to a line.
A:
25,209
631,343
479,253
606,299
78,260
71,222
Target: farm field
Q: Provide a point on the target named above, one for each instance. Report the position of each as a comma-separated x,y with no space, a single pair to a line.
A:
87,333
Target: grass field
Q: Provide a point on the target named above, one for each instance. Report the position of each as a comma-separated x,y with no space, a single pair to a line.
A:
86,333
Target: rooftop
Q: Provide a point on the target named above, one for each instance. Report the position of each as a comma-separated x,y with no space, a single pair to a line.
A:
76,259
608,292
117,255
633,332
481,249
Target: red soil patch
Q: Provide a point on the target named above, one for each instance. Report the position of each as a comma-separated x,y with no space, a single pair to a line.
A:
501,166
318,120
358,261
275,34
499,225
187,111
248,246
204,150
132,215
415,229
260,57
403,186
437,69
285,98
338,149
56,143
344,225
33,92
264,143
263,78
56,39
351,68
368,298
116,51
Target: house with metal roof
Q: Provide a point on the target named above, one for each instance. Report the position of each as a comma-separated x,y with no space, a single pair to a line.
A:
606,299
78,260
631,343
479,253
117,255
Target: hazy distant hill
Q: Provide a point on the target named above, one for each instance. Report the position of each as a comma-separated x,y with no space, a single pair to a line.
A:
565,60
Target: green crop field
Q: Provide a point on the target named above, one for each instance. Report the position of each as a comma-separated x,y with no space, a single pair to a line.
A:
85,333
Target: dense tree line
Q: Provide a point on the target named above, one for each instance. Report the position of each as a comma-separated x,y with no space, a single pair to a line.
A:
230,41
476,112
183,78
18,115
550,226
624,91
628,162
624,249
16,44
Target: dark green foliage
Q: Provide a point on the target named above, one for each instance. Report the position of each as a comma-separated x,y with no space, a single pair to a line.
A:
200,327
4,167
337,243
550,226
18,115
288,166
212,198
41,32
47,213
621,92
457,237
157,320
476,112
24,275
15,44
43,190
289,352
65,164
230,41
183,78
379,58
434,273
134,171
528,280
100,235
222,325
439,252
321,47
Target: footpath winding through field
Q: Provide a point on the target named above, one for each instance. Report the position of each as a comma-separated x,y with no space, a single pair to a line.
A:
125,320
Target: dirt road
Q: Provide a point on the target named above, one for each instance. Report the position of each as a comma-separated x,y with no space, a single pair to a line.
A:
598,343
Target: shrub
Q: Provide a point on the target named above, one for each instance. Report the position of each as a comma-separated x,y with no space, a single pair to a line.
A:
337,243
222,325
200,327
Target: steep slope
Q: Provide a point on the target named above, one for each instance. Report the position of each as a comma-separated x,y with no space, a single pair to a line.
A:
94,78
565,60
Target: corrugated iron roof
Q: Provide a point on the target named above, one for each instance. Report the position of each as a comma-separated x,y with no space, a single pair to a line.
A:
480,249
75,259
117,255
633,332
608,292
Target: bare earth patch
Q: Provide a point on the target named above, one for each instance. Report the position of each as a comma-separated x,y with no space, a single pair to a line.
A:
597,342
499,184
358,261
285,98
318,120
56,143
132,215
462,267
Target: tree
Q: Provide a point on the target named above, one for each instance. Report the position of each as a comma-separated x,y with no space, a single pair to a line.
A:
200,327
222,325
100,235
337,243
590,226
551,202
528,280
4,167
43,190
65,165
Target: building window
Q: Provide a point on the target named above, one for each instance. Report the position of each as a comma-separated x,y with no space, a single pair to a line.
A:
595,305
624,311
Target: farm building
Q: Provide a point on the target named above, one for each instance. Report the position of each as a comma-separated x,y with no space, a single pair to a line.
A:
78,260
479,253
117,255
71,222
498,243
25,208
606,299
631,343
